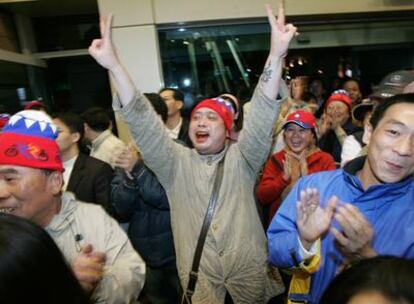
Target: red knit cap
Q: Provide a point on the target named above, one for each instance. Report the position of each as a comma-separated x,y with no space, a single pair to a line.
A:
221,106
340,95
28,140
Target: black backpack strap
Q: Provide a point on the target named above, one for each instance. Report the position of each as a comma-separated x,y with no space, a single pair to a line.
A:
192,281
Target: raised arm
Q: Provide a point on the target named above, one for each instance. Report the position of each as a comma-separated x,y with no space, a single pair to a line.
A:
104,53
281,35
255,138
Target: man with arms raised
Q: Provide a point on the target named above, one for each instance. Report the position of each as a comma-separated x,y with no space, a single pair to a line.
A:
233,264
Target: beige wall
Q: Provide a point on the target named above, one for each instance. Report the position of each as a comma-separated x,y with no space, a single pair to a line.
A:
170,11
136,38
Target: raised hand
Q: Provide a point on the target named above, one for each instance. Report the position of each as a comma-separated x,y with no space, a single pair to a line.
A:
88,267
102,49
355,239
281,33
312,220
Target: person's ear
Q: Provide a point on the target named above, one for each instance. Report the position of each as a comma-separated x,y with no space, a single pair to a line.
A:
56,182
75,137
367,133
180,104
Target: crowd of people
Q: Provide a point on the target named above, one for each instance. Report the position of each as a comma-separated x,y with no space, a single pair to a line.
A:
298,196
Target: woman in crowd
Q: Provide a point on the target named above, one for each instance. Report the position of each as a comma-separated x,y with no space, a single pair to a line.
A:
299,157
336,124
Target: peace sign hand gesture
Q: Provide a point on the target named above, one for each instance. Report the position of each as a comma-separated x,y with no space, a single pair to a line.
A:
281,33
102,49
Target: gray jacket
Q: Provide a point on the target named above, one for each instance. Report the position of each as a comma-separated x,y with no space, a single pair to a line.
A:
235,251
78,224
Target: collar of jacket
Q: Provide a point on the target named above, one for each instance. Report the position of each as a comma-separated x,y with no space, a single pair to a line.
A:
100,139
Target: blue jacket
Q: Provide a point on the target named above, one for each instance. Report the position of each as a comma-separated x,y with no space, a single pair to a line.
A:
143,203
388,207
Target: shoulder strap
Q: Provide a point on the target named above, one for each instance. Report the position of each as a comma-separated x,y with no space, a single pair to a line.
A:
203,234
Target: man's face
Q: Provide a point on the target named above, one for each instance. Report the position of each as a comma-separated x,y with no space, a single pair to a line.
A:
207,131
29,193
352,87
316,88
298,87
174,106
65,139
297,138
338,111
391,145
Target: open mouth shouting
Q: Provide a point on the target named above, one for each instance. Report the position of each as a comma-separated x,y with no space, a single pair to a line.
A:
201,136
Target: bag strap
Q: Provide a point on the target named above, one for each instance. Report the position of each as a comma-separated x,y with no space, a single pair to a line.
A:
203,234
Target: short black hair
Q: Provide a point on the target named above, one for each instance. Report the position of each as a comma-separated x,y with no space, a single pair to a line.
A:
158,104
32,267
392,277
380,110
177,94
72,120
97,119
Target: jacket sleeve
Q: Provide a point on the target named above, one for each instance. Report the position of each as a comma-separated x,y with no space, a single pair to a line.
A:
256,136
272,183
124,272
124,196
283,237
159,151
151,191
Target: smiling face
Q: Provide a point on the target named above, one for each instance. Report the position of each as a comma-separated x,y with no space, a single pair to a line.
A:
207,131
30,193
391,146
297,138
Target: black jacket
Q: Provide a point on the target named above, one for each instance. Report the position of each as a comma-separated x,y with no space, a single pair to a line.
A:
90,180
143,203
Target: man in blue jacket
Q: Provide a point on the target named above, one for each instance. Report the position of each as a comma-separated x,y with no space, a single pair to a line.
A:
331,219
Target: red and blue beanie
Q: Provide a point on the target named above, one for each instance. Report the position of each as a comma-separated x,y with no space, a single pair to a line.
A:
221,106
28,140
340,95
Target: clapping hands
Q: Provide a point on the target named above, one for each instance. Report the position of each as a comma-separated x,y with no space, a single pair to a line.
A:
356,235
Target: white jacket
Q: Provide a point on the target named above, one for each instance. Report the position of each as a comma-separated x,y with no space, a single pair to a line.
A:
78,224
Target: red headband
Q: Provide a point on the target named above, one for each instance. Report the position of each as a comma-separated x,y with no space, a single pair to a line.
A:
221,106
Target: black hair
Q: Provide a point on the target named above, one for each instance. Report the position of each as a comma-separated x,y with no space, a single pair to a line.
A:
380,109
352,79
177,94
98,119
73,121
32,268
392,277
158,104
